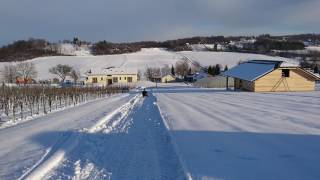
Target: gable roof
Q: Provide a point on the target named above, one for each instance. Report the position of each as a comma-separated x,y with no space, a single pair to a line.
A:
252,70
113,71
310,74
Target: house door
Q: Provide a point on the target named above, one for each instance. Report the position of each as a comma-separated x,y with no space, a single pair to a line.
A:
109,81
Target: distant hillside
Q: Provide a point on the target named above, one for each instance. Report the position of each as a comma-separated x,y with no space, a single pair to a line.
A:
147,57
27,49
263,44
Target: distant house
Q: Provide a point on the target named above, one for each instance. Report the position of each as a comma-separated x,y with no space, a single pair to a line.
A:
271,76
168,78
163,79
214,82
21,80
195,76
109,76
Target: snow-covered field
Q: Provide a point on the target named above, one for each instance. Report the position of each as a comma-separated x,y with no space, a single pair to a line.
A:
153,57
178,132
313,48
27,144
242,135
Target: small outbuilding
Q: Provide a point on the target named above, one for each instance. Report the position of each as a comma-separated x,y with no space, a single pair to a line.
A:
271,76
168,78
214,82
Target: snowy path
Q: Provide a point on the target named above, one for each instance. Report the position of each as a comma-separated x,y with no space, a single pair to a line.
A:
133,144
240,135
208,134
18,149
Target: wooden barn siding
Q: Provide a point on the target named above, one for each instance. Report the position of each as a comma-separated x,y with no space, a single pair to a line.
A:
298,81
246,85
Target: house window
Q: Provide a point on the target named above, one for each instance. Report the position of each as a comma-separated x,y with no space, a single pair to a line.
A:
125,78
94,80
115,79
119,78
101,78
87,78
129,79
285,73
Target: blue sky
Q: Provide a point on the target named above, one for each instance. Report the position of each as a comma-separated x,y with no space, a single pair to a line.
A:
135,20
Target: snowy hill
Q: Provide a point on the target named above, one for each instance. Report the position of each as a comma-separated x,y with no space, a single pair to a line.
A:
70,49
153,57
178,132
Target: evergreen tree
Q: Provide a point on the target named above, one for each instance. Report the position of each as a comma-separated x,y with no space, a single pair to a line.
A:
213,69
173,71
226,68
316,69
209,70
217,69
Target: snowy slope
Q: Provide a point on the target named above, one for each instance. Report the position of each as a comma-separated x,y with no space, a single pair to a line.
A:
121,137
175,132
153,57
313,48
241,135
26,144
228,58
132,144
70,49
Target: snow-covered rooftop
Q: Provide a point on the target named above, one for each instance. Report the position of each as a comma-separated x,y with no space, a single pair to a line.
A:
252,70
113,70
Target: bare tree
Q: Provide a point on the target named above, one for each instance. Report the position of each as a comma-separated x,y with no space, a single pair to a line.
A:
27,71
61,70
165,70
148,73
139,74
75,75
9,73
182,68
196,66
152,73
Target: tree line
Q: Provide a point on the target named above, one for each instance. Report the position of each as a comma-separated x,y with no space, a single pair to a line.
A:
27,49
216,69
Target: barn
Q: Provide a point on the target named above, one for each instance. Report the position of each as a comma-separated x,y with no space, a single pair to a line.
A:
271,76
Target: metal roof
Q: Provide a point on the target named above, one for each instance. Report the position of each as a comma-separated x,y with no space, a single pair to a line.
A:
252,70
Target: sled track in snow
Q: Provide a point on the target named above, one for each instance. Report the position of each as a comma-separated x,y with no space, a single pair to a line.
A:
131,142
69,140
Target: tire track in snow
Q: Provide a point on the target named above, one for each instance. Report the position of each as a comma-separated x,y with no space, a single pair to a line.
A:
54,156
133,144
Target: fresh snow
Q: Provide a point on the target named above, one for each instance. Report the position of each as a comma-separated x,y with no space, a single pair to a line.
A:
22,146
313,48
244,135
131,145
152,57
73,50
178,132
